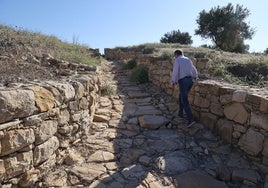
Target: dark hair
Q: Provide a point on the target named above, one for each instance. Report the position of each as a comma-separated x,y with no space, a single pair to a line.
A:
178,52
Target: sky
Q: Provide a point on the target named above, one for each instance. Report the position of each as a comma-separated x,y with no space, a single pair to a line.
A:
118,23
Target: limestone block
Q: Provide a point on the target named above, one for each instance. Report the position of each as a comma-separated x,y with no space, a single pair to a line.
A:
48,164
254,99
83,104
92,98
259,120
15,140
29,178
10,125
44,151
225,99
79,90
216,108
16,104
264,105
236,112
64,117
44,99
18,164
251,142
101,156
224,129
240,128
152,121
73,106
88,172
239,96
2,170
208,119
265,147
58,97
67,90
225,90
46,130
197,179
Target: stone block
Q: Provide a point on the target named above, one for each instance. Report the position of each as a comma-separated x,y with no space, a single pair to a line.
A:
253,99
239,96
64,117
83,104
44,151
265,147
264,105
2,170
18,164
208,119
236,112
225,99
67,90
45,131
216,108
15,140
44,99
225,128
79,89
259,120
251,142
152,121
16,104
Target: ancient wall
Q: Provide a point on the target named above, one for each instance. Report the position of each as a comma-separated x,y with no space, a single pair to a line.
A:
38,118
238,114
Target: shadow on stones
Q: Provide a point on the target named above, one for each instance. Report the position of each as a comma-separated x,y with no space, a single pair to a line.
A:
142,148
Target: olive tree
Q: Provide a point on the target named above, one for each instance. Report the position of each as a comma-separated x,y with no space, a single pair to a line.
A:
176,37
226,27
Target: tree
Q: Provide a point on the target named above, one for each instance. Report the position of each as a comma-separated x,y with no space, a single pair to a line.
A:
266,51
176,37
226,27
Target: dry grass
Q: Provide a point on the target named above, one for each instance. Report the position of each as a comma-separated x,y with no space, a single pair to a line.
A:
19,41
221,62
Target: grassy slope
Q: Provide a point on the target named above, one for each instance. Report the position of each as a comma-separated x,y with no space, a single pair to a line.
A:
16,42
249,69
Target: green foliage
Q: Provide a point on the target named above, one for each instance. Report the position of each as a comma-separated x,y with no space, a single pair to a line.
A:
139,74
176,37
266,51
129,64
107,89
226,27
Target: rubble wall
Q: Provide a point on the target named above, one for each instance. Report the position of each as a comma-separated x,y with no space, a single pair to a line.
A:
40,118
238,114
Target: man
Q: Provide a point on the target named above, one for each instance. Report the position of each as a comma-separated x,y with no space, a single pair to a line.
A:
184,73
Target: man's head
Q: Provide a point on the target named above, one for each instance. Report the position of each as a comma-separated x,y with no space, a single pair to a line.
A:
178,53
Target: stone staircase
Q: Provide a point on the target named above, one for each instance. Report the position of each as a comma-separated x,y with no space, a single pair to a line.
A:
137,140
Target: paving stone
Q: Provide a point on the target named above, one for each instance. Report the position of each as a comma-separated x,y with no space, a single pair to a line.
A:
197,179
152,121
132,146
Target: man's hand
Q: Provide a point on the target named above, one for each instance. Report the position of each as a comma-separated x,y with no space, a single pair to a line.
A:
171,85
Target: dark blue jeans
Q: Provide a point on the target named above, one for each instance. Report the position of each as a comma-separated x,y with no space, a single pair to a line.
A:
185,85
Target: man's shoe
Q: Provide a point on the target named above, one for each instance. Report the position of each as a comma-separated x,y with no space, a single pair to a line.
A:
190,124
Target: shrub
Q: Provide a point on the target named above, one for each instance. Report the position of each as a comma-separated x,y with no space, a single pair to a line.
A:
107,89
139,74
130,64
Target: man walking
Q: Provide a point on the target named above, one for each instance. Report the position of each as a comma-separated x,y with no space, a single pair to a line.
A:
184,73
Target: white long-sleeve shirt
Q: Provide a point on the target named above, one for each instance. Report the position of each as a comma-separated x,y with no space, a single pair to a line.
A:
183,67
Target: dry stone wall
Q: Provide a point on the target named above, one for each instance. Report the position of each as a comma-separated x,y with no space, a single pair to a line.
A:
38,118
239,114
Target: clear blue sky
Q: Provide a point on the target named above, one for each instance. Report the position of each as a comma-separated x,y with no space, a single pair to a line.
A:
112,23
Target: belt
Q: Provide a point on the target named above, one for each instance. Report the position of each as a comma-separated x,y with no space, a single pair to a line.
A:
185,77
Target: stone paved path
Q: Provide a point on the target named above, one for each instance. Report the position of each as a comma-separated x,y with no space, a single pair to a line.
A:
137,140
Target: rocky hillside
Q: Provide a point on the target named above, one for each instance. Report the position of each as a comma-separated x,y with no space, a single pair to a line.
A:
27,56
